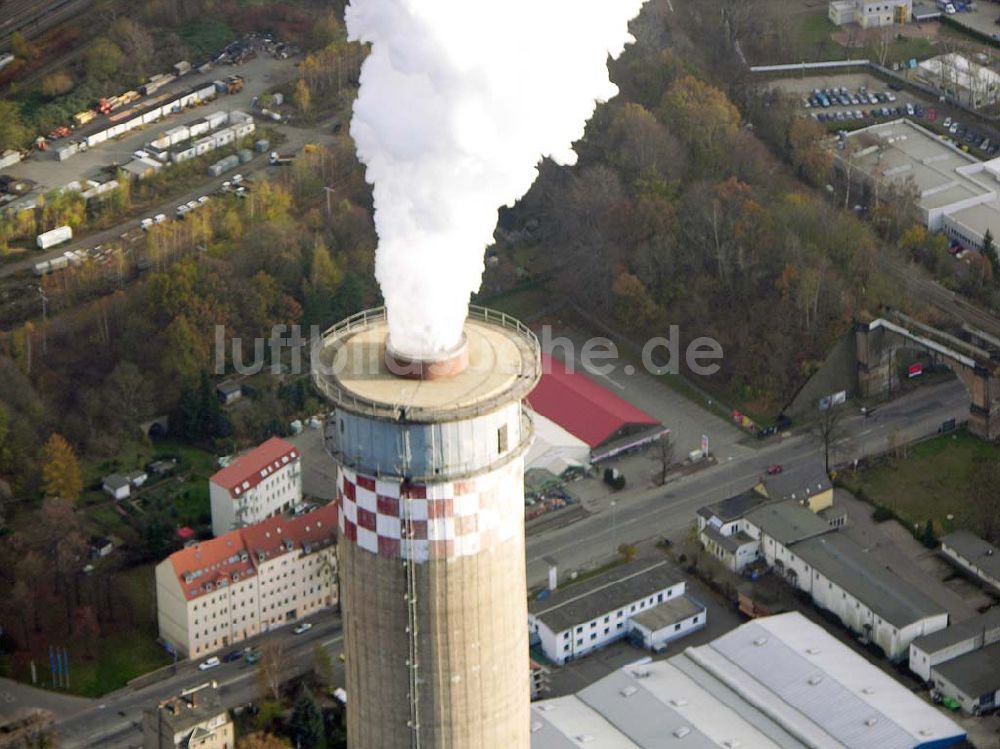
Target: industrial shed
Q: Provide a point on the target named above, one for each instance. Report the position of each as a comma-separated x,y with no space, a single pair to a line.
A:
779,682
973,679
951,642
593,414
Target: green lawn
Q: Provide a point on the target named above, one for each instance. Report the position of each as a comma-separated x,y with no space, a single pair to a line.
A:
811,40
931,482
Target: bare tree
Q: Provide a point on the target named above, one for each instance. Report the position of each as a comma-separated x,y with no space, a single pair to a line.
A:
829,428
984,500
663,453
271,669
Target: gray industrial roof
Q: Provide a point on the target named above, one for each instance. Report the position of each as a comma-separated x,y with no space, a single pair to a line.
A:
841,560
835,689
800,481
586,600
668,613
956,633
730,543
981,553
975,673
734,508
787,522
780,682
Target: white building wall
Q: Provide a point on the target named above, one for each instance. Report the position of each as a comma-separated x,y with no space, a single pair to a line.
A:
223,509
585,637
661,637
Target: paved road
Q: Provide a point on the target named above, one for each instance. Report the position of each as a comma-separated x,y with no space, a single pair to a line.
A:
642,513
116,721
296,138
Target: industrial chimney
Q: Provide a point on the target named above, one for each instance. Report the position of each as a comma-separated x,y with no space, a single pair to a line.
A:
430,454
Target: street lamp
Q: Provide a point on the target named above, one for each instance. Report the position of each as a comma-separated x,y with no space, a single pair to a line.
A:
614,526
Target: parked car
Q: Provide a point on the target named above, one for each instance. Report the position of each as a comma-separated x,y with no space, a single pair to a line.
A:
252,656
181,210
954,128
303,628
947,122
192,204
232,656
159,218
145,224
210,663
202,200
910,110
774,470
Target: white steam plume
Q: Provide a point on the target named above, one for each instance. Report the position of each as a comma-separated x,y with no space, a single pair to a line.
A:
459,101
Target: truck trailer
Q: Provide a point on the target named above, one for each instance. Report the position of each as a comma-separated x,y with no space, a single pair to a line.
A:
55,236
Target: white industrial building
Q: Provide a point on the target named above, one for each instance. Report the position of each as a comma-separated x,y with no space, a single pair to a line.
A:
962,80
778,682
570,622
972,554
951,642
809,552
956,194
262,483
554,449
973,680
870,13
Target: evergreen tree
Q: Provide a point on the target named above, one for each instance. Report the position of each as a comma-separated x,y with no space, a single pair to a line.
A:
990,251
306,724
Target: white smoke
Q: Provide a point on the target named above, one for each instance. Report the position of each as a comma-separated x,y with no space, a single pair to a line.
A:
459,101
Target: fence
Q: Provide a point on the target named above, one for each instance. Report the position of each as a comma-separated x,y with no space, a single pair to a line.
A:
801,66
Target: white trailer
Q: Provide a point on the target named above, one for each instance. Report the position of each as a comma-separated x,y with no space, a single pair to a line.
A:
52,238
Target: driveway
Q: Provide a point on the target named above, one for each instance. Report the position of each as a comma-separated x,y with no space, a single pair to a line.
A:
893,545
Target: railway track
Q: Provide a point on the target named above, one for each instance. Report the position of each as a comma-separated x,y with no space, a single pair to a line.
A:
32,18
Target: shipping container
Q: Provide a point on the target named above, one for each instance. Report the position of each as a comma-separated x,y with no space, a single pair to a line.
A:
262,146
55,236
244,155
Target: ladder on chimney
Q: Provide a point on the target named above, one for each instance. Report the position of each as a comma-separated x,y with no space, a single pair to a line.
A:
412,662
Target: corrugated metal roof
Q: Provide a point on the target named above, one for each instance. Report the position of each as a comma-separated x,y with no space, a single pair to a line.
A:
582,407
974,673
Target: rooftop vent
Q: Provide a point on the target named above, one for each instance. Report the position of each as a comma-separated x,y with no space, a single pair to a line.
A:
760,641
682,732
732,743
546,708
536,726
871,722
816,679
868,690
678,702
584,739
813,651
629,691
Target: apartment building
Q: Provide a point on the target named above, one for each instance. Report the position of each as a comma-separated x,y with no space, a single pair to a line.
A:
258,485
220,592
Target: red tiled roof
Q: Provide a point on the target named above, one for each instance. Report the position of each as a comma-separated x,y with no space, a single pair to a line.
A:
246,471
581,406
270,536
218,558
211,561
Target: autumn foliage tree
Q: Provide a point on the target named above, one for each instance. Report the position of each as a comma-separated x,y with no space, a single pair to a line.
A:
61,475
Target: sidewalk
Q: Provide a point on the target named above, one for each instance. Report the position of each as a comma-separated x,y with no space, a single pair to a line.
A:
15,697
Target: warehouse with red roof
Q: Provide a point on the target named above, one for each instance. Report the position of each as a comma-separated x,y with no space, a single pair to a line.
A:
591,414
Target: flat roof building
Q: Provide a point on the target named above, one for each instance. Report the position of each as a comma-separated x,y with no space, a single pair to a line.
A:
579,618
972,679
776,682
951,642
974,555
956,193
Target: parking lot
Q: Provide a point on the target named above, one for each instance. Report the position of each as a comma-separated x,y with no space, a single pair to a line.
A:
859,99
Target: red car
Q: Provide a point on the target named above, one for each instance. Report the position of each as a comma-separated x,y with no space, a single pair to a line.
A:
774,470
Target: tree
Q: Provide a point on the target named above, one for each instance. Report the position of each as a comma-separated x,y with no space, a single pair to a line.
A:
701,115
13,133
322,664
990,252
306,723
628,551
103,60
57,84
303,96
19,45
261,740
984,500
663,453
135,43
61,475
829,429
271,669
